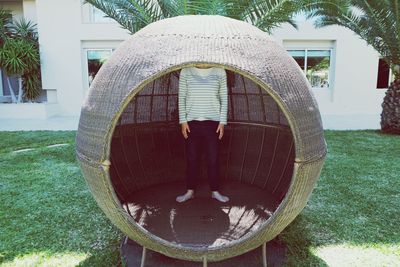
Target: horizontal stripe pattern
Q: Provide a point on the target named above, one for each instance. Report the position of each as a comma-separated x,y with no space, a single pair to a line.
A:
203,94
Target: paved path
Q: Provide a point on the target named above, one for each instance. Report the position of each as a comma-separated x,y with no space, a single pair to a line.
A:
52,124
351,122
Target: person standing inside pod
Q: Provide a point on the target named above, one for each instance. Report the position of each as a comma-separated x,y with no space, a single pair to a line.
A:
203,108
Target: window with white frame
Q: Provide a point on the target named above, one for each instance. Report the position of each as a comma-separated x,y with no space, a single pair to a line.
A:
5,90
95,59
91,14
98,16
316,64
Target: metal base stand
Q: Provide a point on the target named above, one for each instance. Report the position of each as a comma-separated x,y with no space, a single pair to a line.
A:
134,255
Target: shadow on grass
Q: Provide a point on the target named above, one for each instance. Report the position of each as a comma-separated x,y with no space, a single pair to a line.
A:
107,257
298,240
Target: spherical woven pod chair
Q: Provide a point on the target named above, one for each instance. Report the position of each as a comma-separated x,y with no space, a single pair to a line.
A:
132,153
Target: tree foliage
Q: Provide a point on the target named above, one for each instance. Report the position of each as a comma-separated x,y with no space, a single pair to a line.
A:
135,14
19,52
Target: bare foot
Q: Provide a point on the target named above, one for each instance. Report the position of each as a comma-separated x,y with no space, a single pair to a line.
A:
219,197
188,195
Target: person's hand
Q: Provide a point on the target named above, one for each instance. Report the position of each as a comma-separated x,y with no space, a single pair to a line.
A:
220,130
185,130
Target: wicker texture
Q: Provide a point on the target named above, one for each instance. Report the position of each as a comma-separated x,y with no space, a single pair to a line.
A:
169,45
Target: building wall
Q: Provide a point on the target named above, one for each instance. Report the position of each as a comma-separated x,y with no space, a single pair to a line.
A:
64,33
29,9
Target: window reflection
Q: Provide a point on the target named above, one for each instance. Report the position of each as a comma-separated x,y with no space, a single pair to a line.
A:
95,59
383,74
299,56
315,64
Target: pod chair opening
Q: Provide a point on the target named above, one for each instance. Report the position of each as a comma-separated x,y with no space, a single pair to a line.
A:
129,143
147,171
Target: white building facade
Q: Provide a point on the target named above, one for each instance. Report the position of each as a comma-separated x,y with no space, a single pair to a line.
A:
75,39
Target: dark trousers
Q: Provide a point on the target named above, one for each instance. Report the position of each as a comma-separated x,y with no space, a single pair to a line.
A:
202,135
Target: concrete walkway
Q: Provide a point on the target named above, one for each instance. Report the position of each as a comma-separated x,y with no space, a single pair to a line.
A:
51,124
351,122
330,122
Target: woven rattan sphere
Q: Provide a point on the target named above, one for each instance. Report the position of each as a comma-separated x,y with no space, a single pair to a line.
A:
128,134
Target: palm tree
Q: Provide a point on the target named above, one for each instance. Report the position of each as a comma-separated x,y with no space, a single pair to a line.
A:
5,23
25,30
378,23
135,14
19,56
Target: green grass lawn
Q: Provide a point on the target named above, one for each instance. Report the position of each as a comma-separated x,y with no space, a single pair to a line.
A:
49,218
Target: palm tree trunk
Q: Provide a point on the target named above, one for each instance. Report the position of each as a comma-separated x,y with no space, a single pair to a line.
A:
13,98
390,117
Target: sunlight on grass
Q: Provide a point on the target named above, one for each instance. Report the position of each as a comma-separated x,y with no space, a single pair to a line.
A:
346,255
23,150
43,259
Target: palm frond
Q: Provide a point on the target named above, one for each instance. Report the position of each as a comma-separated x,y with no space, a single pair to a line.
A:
5,24
131,15
235,8
23,28
376,22
277,13
210,7
192,7
266,15
135,14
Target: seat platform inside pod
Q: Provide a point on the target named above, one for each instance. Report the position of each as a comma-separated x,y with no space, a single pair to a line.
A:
201,221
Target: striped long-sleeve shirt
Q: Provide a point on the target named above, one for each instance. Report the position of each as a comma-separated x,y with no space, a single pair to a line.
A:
203,94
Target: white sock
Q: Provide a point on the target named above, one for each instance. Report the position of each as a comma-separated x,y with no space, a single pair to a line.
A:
219,197
188,195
